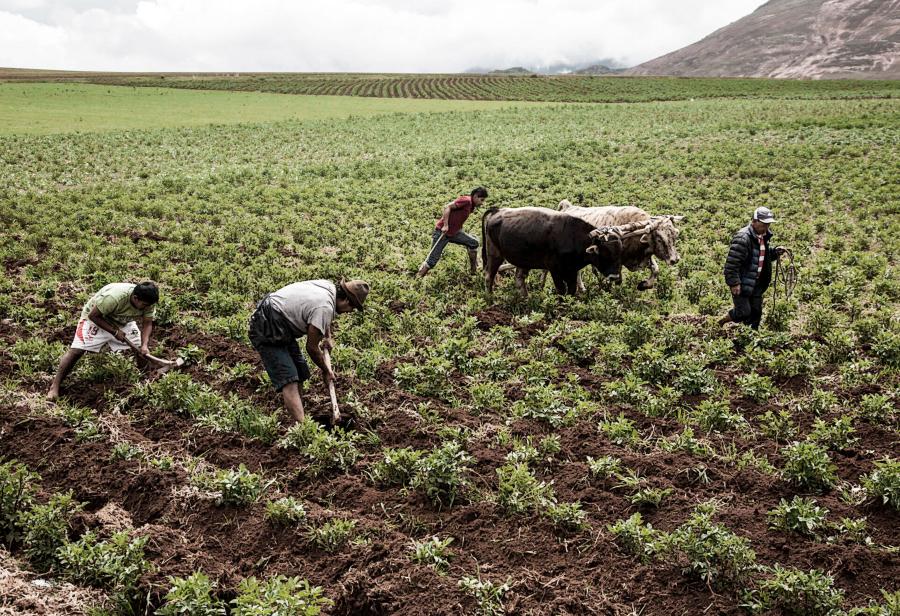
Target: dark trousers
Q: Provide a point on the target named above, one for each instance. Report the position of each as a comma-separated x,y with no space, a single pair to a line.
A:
747,309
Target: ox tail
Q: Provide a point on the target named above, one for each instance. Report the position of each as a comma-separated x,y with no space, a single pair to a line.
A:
490,210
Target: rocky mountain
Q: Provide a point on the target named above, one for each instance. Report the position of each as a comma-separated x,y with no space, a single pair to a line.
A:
801,39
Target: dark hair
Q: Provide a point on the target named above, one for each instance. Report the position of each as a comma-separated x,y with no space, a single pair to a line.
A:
146,292
481,191
340,294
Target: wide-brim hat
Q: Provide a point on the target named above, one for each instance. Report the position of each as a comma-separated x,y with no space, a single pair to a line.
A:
357,291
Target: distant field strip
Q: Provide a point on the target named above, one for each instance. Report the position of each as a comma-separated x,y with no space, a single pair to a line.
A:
47,108
557,88
577,89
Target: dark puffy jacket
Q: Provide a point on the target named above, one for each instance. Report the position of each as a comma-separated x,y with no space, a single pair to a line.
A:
742,260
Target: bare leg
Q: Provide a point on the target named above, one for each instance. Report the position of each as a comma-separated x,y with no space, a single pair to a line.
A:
292,400
521,278
66,364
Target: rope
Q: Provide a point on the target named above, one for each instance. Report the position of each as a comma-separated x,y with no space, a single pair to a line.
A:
785,276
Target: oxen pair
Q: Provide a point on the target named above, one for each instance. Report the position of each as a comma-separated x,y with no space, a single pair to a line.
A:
564,242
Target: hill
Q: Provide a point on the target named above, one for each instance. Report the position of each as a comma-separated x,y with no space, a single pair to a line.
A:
805,39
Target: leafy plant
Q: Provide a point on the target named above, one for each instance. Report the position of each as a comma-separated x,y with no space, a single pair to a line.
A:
883,483
441,475
192,596
798,593
567,517
286,510
604,467
800,515
837,435
756,387
717,416
434,552
332,534
649,497
807,465
47,529
778,426
398,467
279,596
488,595
635,537
519,491
115,564
17,490
235,486
621,431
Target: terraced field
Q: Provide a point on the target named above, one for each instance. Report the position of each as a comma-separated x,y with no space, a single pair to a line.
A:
614,453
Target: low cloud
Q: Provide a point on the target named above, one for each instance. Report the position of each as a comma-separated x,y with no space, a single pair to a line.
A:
349,35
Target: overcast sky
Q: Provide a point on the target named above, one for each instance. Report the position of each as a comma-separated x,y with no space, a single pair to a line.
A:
349,35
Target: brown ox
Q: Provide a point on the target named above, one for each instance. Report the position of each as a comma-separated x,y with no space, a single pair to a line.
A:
541,238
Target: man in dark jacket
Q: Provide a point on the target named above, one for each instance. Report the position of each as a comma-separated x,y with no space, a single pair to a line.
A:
748,268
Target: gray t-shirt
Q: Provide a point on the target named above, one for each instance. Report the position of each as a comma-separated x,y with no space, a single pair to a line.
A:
311,302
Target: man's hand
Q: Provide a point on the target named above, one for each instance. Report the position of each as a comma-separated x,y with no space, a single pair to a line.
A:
779,250
145,350
736,290
120,335
329,375
445,228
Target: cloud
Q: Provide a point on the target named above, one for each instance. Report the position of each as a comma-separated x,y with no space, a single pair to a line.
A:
348,35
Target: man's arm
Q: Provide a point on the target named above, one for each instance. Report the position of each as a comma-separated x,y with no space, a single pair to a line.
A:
100,321
313,337
445,217
737,254
146,330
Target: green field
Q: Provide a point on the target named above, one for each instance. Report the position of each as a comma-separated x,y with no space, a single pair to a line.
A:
617,452
44,108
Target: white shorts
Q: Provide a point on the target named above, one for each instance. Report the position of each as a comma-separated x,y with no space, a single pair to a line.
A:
89,337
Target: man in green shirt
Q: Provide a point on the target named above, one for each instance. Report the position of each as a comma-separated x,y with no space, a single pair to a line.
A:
108,320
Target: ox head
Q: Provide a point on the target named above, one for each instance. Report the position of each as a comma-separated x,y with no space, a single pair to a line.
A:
605,256
661,238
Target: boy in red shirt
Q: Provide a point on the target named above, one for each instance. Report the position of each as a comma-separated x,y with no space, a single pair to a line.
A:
448,229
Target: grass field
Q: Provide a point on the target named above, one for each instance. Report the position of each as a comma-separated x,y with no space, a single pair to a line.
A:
45,108
614,453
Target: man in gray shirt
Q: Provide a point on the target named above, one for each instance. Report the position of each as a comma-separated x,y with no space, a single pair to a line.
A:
308,309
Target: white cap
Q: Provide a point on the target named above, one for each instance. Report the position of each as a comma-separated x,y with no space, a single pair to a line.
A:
764,214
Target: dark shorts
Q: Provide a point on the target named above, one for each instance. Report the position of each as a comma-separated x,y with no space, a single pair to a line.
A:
284,363
278,348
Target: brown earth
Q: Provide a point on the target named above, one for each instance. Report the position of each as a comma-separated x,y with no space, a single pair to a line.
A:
550,573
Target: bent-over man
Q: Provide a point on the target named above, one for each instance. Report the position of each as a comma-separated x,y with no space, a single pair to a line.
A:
109,320
300,309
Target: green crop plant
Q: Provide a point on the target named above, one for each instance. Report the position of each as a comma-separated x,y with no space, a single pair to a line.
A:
878,408
756,387
278,596
115,564
234,486
778,425
441,475
487,396
635,537
285,511
714,554
126,451
326,451
398,467
807,465
332,534
800,515
716,416
854,531
883,483
544,403
46,529
889,607
837,435
788,590
36,356
687,442
434,552
488,595
18,487
693,379
630,390
649,497
621,431
567,517
821,401
519,491
192,596
604,467
800,361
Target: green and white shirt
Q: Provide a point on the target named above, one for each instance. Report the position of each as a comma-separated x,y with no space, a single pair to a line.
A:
114,303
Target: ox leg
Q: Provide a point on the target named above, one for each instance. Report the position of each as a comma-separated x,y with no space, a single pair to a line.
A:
491,265
559,282
572,283
650,282
522,281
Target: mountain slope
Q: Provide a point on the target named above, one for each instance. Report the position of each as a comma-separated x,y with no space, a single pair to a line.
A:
806,39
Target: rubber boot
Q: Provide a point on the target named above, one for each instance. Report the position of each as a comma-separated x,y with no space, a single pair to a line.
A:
423,271
473,260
